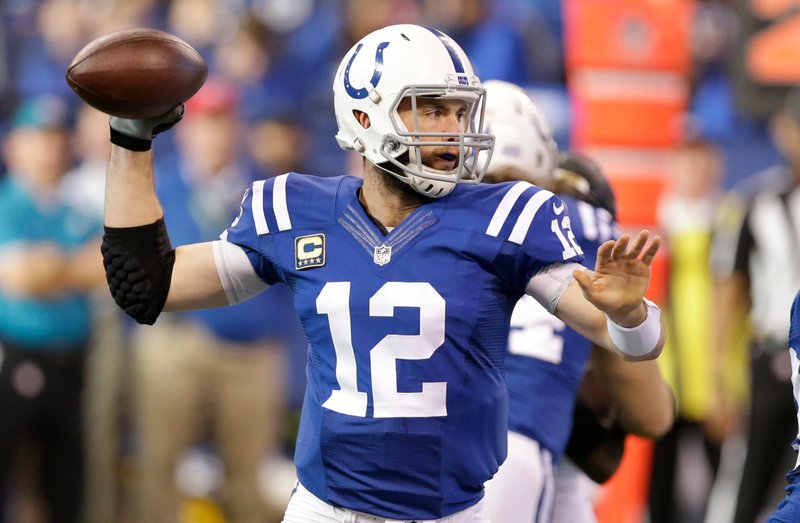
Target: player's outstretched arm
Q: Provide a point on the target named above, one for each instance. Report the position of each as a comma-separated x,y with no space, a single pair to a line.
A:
607,305
130,198
195,280
130,191
145,274
643,402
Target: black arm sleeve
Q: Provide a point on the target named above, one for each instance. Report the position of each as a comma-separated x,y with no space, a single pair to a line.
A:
138,263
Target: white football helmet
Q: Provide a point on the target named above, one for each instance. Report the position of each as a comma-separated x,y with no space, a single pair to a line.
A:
523,140
409,61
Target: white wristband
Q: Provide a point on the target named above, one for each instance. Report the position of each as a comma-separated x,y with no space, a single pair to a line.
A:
642,339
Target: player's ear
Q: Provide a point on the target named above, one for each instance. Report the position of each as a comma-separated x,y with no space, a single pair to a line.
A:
362,118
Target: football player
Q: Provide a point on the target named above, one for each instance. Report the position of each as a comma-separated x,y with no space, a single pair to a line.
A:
789,509
404,282
546,360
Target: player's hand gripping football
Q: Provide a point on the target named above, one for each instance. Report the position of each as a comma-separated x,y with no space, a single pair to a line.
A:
138,134
620,278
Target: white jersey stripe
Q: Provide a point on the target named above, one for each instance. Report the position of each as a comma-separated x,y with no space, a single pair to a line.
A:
257,204
279,203
526,216
501,213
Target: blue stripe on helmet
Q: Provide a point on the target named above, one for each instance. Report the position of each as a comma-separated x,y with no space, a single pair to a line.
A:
451,50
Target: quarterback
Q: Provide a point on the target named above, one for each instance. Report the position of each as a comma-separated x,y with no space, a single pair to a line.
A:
404,282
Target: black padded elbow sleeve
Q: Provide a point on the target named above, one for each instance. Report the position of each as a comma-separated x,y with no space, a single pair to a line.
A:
138,263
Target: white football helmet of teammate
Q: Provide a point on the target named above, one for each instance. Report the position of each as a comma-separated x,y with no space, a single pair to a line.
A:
524,144
409,61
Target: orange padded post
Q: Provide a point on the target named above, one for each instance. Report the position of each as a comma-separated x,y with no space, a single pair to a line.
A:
627,65
623,498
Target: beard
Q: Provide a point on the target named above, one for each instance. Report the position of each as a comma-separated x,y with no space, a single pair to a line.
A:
388,176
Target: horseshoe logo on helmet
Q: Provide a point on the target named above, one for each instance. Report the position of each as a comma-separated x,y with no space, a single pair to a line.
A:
358,94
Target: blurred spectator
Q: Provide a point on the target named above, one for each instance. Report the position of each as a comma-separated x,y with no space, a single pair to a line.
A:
686,214
49,262
218,368
204,23
314,50
6,84
107,16
755,253
276,145
283,15
498,41
286,79
84,186
251,57
40,57
540,24
364,16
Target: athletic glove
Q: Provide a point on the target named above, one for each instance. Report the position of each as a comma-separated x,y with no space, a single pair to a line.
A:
137,135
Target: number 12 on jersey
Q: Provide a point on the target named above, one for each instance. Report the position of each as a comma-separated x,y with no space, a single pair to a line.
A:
334,301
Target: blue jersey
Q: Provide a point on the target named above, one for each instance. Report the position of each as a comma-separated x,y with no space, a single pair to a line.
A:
794,328
546,359
405,411
788,510
794,352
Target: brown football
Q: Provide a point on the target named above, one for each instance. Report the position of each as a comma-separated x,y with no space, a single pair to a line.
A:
136,73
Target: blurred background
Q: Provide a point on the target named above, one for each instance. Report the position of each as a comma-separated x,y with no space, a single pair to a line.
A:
683,102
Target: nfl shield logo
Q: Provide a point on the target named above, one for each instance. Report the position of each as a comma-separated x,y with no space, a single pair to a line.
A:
383,254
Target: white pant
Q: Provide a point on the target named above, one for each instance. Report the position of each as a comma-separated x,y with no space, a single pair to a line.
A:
574,495
305,507
522,491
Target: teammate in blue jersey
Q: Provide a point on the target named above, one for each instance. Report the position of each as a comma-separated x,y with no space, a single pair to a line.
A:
404,282
546,360
789,509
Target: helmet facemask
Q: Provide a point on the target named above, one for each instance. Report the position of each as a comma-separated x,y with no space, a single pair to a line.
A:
470,166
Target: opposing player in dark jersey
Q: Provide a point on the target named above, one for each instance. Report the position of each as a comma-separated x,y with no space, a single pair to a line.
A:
404,282
789,509
546,360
